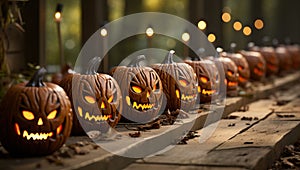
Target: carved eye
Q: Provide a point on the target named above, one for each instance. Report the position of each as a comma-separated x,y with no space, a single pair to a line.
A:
240,68
229,73
260,64
204,79
90,99
136,89
183,82
52,114
110,99
28,115
155,87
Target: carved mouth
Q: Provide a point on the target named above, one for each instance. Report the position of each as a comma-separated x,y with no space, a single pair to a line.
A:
272,67
208,92
185,97
242,79
37,135
258,72
96,118
139,106
231,83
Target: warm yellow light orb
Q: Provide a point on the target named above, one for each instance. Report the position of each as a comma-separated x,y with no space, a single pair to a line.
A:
211,37
185,37
103,32
259,24
226,17
57,15
237,25
247,30
201,25
149,32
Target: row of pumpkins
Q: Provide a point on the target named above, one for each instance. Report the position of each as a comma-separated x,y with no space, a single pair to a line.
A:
37,117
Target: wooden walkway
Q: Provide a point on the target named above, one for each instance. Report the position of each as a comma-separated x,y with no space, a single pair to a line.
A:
250,139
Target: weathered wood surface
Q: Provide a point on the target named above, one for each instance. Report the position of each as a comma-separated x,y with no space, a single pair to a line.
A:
101,159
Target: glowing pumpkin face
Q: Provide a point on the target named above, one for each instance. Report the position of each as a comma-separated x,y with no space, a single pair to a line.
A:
207,81
96,101
285,59
242,65
256,63
142,91
231,76
179,83
40,118
272,61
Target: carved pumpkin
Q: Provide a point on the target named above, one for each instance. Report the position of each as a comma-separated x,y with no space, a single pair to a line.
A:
179,83
207,80
272,61
35,118
285,59
242,65
142,91
96,100
256,63
231,76
294,50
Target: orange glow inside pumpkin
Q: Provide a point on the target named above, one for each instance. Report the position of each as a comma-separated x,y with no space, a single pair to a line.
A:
183,83
28,115
177,94
258,72
204,79
90,99
137,89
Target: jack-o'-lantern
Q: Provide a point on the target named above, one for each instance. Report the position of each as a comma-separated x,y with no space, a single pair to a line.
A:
142,91
35,118
285,59
231,75
242,65
272,61
207,83
256,63
96,100
294,50
180,83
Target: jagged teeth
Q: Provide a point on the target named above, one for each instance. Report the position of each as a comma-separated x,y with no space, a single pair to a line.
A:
36,136
97,117
208,92
142,106
188,97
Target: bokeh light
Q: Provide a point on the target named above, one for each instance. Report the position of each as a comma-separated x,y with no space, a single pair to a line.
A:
237,25
247,30
201,25
211,37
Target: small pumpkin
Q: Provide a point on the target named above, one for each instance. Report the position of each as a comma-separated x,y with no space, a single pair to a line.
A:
272,61
207,80
35,117
242,65
142,91
180,83
231,76
285,59
256,63
96,100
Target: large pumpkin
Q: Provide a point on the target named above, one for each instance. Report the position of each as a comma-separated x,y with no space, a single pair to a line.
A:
256,63
242,65
207,80
96,100
180,83
35,118
231,76
285,59
141,89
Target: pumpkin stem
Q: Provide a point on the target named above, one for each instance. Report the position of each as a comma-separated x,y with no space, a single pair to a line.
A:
200,54
136,61
37,78
232,48
169,57
93,66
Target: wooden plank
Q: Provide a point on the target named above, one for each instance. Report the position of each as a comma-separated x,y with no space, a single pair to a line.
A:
104,160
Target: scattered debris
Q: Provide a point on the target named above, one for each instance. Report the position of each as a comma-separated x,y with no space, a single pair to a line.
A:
244,108
248,143
282,102
188,136
247,118
231,125
285,115
231,117
148,126
135,134
289,159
